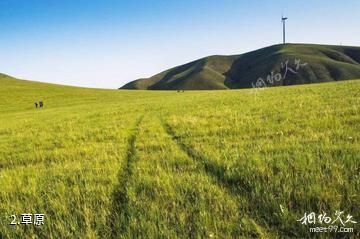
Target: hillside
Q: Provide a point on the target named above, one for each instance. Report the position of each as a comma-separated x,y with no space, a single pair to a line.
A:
158,164
316,63
28,92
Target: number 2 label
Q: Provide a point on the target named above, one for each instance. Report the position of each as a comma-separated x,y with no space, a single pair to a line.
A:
13,222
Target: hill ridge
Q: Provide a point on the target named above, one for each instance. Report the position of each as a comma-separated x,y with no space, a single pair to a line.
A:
324,63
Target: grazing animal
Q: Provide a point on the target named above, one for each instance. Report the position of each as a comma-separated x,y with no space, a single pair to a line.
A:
41,104
36,104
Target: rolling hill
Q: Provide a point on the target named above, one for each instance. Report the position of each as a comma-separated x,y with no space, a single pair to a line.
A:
296,63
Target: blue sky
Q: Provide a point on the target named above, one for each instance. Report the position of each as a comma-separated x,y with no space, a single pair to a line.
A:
106,43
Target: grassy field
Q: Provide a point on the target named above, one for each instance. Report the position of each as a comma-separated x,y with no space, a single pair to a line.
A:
197,164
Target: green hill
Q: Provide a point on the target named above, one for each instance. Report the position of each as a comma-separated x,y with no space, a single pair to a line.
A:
323,64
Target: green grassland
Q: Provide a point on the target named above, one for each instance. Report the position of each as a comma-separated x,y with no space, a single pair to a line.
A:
162,164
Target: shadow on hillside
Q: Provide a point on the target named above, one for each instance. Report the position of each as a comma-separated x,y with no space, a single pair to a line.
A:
323,64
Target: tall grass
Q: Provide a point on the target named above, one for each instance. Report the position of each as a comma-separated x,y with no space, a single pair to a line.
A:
224,164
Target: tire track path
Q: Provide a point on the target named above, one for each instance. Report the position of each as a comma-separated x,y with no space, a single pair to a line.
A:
215,171
119,218
218,174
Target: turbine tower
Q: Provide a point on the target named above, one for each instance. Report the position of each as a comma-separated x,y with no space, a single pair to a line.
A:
283,19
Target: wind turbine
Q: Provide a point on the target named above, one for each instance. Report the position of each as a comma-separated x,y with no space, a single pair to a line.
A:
283,19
